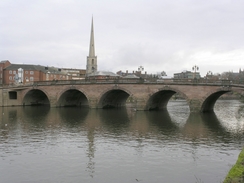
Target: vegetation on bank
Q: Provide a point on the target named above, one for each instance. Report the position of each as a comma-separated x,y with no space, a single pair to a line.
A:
236,173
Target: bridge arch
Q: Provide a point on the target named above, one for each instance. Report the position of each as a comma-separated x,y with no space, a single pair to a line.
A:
210,100
35,97
72,97
113,98
160,99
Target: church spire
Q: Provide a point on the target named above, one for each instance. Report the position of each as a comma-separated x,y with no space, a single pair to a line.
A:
92,46
91,66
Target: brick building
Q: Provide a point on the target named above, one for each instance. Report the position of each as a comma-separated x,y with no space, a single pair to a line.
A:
27,74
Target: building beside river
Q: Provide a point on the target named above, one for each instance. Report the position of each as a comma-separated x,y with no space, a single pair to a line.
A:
11,74
187,75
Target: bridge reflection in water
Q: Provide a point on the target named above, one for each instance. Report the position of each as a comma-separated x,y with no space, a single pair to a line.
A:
86,144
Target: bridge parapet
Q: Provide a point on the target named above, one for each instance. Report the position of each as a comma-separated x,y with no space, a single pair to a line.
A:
131,81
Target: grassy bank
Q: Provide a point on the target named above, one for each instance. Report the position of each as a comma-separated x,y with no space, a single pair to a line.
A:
236,173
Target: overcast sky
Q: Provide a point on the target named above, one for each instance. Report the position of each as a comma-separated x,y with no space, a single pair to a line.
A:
160,35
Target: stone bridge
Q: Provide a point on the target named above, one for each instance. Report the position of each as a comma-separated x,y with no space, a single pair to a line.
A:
200,97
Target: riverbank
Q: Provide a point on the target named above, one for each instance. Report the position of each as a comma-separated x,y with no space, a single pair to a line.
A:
236,173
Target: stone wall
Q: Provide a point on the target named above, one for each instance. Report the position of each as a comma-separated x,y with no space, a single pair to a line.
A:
140,93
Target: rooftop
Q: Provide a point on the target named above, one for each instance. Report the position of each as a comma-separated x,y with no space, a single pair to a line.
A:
103,73
43,69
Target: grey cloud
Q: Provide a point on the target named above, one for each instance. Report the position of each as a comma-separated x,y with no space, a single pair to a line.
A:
168,35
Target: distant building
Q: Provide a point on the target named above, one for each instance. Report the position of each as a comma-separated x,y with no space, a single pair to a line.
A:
103,75
127,74
212,77
24,73
187,75
131,76
233,75
76,74
3,65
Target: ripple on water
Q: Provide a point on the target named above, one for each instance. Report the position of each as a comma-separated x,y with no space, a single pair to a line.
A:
115,147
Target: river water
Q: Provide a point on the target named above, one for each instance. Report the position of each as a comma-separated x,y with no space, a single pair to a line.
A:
41,144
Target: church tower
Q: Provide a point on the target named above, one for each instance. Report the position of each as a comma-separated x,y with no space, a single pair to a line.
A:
91,66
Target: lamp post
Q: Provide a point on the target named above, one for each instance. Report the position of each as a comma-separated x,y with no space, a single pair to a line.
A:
209,73
195,68
140,69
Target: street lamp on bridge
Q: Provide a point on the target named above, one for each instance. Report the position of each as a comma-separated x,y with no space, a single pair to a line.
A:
209,73
140,68
195,68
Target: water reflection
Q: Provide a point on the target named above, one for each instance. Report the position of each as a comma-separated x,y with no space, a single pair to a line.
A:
113,123
138,141
240,113
72,116
114,119
213,123
162,121
131,123
195,127
230,114
35,114
91,151
207,127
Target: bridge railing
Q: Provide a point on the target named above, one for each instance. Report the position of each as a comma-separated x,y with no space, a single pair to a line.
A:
134,81
164,81
87,81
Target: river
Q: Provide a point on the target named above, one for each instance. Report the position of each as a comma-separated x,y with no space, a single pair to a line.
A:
41,144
